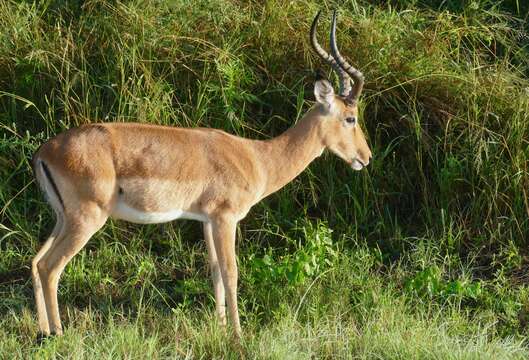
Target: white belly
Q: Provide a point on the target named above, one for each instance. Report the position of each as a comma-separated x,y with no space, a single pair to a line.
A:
125,212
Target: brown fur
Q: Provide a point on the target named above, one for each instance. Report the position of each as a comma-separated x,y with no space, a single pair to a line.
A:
156,169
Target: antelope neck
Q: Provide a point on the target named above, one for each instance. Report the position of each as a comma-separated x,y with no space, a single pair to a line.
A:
288,154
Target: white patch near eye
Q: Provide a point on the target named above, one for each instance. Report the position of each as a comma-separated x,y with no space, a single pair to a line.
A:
124,212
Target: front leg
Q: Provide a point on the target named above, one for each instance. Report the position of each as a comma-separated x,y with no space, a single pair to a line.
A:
218,286
223,229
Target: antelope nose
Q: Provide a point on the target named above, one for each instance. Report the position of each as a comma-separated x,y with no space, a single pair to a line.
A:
367,159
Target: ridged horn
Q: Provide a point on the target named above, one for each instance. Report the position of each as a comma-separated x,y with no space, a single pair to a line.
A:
345,81
355,74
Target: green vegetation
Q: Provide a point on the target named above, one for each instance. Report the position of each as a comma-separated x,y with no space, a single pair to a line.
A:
422,255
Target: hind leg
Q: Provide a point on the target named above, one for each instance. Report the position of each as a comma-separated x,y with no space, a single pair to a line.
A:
76,232
37,284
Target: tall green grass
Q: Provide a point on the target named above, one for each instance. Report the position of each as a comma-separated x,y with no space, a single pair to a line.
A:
423,255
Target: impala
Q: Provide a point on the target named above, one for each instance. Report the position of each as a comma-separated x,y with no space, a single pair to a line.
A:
153,174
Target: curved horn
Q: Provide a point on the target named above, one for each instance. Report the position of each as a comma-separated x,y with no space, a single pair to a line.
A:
355,74
345,81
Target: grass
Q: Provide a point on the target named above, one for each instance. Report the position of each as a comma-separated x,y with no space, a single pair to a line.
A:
423,255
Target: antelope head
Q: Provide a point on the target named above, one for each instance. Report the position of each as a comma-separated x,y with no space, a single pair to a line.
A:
341,131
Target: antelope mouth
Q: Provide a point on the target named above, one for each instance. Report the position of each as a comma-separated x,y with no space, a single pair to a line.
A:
357,165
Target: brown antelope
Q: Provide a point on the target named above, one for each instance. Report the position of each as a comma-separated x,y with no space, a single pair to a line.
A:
154,174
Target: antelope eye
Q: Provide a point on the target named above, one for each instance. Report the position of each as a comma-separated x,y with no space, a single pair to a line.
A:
350,120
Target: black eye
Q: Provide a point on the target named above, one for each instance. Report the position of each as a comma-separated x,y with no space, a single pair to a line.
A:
350,120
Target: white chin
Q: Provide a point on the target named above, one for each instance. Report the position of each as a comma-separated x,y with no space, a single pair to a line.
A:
357,165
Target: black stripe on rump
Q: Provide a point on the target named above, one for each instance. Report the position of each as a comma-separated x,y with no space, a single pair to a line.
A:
52,182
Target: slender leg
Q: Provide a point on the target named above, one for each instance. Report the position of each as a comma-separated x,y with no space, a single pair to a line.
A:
74,237
224,238
218,286
37,285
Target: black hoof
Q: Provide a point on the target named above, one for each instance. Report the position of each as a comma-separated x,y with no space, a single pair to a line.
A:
42,338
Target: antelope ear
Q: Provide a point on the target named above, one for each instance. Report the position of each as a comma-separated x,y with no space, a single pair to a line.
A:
324,93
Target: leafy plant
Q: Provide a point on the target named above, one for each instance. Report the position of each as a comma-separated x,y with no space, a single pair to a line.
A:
430,283
314,254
